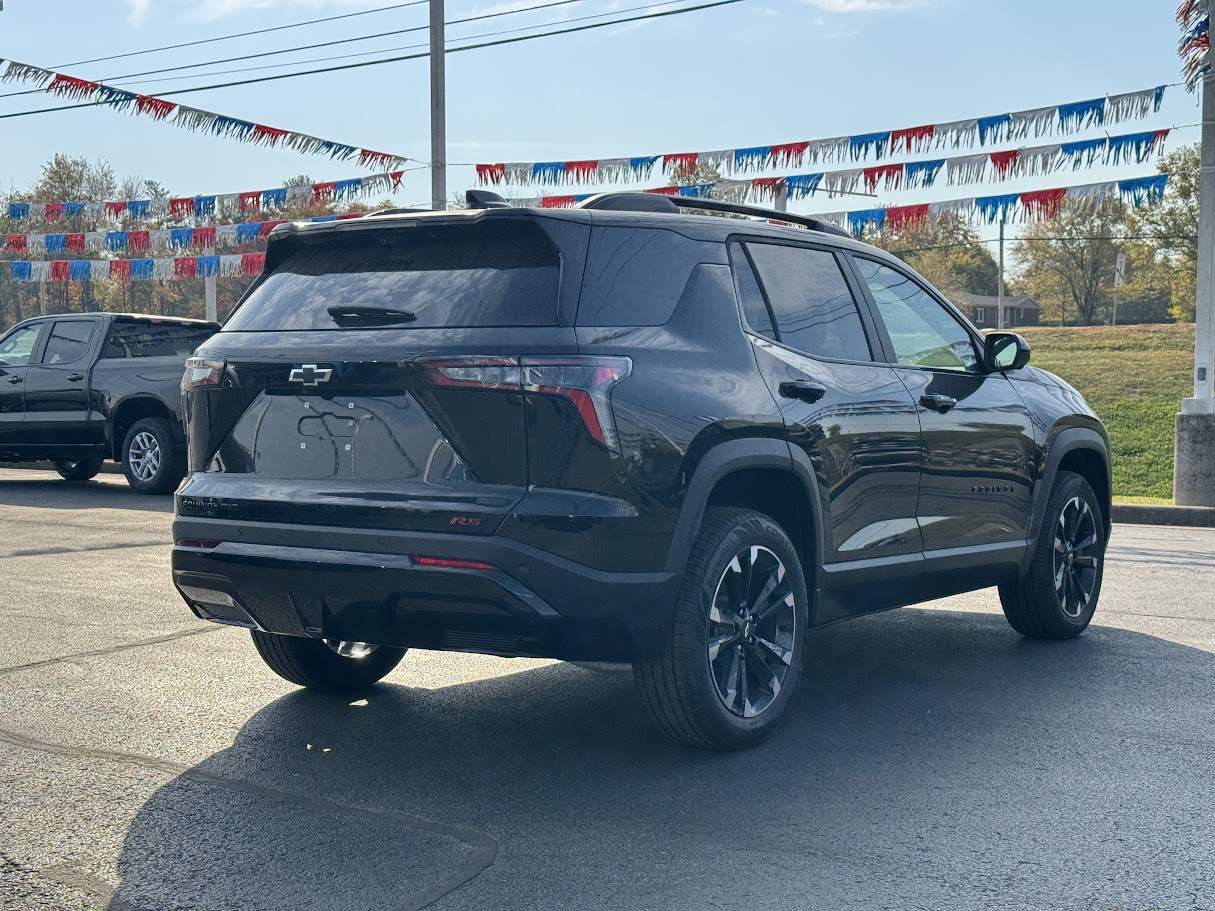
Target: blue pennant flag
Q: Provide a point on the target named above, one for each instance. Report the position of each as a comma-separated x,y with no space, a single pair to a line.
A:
1136,147
116,240
81,270
799,186
230,126
342,187
248,232
141,269
181,237
72,209
922,173
641,167
583,196
207,266
18,210
1083,154
1157,98
548,171
1142,191
700,190
754,157
56,243
274,198
138,208
858,220
1081,114
23,271
997,208
337,150
860,145
204,205
324,218
994,129
119,98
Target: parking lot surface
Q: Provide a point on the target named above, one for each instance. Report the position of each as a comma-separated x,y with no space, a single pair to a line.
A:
933,759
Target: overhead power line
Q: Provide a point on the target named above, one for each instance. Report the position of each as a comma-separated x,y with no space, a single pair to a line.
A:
260,31
386,60
311,47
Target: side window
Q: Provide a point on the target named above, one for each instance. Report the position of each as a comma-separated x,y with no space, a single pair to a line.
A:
923,332
15,351
142,340
636,276
814,309
746,286
69,341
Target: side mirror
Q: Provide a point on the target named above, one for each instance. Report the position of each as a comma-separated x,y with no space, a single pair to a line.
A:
1005,351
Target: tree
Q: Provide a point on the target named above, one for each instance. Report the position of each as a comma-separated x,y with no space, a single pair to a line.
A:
1068,263
947,252
1173,227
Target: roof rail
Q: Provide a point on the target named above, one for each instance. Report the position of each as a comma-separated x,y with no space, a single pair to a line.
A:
656,202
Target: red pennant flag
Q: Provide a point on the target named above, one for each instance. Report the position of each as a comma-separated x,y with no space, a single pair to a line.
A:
270,136
75,243
323,192
54,211
120,270
252,263
251,201
1043,204
890,176
911,139
1004,162
267,227
581,169
680,161
71,87
789,154
204,237
138,241
557,202
491,173
370,159
899,216
767,187
664,191
156,108
395,177
185,267
350,215
61,270
182,206
115,210
16,243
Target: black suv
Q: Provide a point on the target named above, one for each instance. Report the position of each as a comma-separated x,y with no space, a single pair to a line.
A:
621,432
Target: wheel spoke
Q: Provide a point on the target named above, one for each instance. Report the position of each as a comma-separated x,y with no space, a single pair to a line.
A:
716,645
1087,562
742,684
782,654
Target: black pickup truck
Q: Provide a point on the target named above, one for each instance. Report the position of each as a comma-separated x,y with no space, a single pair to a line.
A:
80,388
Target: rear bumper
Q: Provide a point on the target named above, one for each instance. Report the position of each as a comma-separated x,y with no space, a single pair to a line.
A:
367,586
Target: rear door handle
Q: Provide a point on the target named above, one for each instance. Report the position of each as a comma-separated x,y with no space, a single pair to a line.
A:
75,377
15,380
805,390
938,402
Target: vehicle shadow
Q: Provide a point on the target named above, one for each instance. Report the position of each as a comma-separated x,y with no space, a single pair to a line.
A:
932,759
51,492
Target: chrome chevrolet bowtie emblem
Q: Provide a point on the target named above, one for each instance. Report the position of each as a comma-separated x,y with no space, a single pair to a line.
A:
311,375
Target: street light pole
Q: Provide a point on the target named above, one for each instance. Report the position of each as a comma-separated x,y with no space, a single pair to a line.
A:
438,109
1000,288
1194,452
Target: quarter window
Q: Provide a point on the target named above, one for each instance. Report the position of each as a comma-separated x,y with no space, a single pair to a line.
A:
15,350
809,296
755,310
69,341
923,333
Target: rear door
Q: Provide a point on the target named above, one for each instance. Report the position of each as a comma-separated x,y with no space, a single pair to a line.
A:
979,448
373,378
843,407
16,351
58,405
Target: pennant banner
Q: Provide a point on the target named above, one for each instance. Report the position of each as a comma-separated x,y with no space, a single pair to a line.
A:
1194,48
195,120
214,206
1062,118
1037,205
217,237
965,169
125,270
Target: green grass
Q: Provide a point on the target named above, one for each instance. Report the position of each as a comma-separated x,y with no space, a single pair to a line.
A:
1134,377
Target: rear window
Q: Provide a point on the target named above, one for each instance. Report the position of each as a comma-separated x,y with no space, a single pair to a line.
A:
494,273
136,340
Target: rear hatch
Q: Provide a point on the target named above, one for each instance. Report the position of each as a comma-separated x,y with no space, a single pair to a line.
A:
371,377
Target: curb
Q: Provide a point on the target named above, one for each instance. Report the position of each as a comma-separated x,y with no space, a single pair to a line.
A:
107,467
1139,514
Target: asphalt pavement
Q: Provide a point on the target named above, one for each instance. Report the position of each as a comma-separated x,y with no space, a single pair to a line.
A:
933,759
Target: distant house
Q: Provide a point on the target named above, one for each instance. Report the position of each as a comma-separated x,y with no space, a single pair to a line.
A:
981,308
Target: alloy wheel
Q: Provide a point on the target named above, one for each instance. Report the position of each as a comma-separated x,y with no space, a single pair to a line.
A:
752,631
1077,549
144,456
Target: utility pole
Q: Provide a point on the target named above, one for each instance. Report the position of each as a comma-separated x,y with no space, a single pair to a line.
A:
1119,281
438,109
1000,289
1194,448
209,289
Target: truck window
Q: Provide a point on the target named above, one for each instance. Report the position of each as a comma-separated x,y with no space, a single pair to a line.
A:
136,340
69,341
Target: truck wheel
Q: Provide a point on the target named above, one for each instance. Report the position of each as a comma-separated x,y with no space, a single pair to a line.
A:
326,664
80,470
722,675
1057,597
150,460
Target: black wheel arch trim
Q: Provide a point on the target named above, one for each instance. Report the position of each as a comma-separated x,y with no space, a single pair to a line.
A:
1066,441
738,455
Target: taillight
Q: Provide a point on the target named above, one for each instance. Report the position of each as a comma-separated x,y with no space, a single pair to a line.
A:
586,382
201,373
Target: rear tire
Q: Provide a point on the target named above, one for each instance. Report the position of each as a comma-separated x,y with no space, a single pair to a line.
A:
79,470
726,668
1056,599
150,459
317,665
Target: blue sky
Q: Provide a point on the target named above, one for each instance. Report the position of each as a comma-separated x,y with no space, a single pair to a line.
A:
759,72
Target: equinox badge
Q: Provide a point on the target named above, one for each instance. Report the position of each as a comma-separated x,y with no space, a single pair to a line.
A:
310,375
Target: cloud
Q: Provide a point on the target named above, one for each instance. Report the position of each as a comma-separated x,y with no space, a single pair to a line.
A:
863,6
139,11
